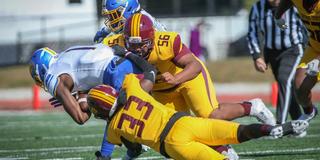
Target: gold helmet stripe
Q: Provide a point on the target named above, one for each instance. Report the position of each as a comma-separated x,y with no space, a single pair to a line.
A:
101,96
135,25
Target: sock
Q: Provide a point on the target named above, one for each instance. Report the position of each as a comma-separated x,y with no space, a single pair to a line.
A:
220,149
247,132
247,107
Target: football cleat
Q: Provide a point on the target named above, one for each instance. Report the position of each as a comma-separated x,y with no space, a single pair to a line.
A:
277,132
301,135
309,117
294,127
261,112
227,151
313,68
299,126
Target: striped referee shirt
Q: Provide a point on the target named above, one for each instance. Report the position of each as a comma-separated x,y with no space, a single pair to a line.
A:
261,21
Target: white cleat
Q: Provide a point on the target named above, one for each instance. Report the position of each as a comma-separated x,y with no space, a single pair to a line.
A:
297,127
229,152
309,117
277,132
301,135
261,112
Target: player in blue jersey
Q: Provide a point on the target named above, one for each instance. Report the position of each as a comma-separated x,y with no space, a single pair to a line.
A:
77,70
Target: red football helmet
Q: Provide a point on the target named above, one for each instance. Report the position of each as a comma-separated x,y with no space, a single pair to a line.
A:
139,34
101,100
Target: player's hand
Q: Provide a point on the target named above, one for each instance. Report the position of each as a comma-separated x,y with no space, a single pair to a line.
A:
56,103
281,23
260,65
169,78
100,35
313,67
120,51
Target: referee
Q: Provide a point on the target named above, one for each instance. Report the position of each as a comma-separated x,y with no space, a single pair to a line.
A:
281,48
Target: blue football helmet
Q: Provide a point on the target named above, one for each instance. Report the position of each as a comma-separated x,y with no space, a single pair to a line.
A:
39,64
117,11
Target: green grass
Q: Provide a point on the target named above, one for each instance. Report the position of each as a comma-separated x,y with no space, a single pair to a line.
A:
54,135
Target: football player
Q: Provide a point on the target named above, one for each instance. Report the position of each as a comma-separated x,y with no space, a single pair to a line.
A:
183,82
134,116
116,13
307,74
78,69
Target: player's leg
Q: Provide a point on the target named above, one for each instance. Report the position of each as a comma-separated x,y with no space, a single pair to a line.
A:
220,132
200,96
194,144
304,83
193,151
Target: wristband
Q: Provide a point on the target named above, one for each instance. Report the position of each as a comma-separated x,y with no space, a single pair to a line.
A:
82,100
127,54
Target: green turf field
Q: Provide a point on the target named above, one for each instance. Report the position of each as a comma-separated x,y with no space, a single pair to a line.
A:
53,135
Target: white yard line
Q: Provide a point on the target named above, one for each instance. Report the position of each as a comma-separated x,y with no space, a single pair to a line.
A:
16,158
281,151
52,137
73,158
45,151
76,149
93,136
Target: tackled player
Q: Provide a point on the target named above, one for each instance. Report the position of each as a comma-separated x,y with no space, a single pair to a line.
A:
78,69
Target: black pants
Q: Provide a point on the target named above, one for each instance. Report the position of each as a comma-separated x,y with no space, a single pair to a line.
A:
283,64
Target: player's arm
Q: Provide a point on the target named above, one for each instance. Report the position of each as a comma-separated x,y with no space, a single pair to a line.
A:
186,60
149,71
77,110
283,7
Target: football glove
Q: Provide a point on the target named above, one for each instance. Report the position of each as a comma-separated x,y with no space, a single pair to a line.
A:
313,67
100,35
120,51
281,23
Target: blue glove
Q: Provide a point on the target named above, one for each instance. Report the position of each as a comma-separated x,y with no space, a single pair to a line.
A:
100,35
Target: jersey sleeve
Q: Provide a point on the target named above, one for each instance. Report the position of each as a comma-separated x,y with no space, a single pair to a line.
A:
51,82
179,49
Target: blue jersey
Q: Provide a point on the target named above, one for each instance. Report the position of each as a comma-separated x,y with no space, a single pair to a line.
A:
116,70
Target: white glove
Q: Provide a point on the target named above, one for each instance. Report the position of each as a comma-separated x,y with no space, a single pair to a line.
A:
313,67
281,23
